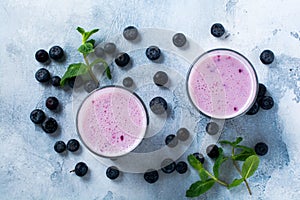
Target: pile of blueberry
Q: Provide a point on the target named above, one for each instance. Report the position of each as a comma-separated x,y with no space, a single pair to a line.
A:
38,116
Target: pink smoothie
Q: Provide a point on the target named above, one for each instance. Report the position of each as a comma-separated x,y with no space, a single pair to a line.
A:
112,121
222,84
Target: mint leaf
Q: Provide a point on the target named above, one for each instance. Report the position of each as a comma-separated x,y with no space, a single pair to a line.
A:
80,30
248,149
194,162
233,144
108,74
219,162
73,70
92,41
88,34
243,155
199,187
225,142
235,182
237,141
250,166
86,48
202,174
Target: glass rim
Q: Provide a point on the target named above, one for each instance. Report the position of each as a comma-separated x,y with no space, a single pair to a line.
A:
140,138
251,67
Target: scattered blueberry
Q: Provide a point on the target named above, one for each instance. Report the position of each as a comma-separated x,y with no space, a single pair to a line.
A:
151,176
261,149
171,140
50,125
112,172
181,167
153,53
37,116
80,169
266,103
183,134
90,85
217,30
56,53
99,52
109,48
42,75
267,57
179,39
168,166
130,33
212,151
52,103
254,109
160,78
73,145
158,105
261,90
122,59
60,146
199,157
42,56
212,128
128,82
55,81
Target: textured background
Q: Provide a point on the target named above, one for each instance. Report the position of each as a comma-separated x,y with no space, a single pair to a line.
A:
30,169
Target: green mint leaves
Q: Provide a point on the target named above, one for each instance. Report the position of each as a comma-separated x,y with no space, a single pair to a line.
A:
207,180
85,49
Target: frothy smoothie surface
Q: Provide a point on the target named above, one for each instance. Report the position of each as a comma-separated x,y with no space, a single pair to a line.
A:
112,121
222,84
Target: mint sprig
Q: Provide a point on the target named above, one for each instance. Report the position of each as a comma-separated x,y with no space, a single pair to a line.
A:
207,180
85,49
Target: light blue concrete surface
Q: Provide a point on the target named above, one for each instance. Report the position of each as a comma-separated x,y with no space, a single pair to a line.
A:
30,169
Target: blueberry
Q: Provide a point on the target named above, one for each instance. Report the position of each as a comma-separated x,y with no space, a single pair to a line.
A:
254,109
37,116
171,140
212,128
181,167
56,53
217,30
109,48
122,59
75,81
151,176
80,169
55,81
127,82
183,134
42,75
267,57
168,166
153,53
73,145
266,103
212,151
158,105
261,90
60,146
261,149
89,86
179,40
112,172
52,103
41,56
130,33
99,51
50,125
160,78
199,157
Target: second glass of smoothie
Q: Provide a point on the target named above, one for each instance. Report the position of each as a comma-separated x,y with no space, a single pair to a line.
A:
222,84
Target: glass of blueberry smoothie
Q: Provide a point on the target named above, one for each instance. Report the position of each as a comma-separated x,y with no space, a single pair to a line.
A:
222,84
111,121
